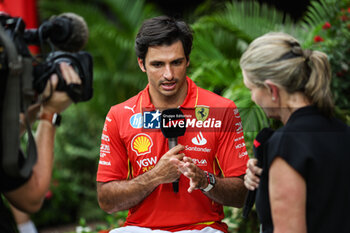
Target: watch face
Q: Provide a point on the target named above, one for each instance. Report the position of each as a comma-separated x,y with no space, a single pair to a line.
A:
212,179
56,119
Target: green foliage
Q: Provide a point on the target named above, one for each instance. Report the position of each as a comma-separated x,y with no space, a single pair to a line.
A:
112,30
221,36
236,223
329,23
317,12
220,40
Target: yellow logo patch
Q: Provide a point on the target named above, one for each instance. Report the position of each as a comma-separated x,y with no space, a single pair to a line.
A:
142,144
202,113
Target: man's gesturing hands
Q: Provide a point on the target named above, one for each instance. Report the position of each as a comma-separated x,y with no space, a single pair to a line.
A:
167,168
173,164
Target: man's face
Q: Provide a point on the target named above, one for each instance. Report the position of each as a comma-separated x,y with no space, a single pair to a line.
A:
165,66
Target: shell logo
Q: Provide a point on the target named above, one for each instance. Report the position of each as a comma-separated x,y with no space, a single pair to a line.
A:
142,144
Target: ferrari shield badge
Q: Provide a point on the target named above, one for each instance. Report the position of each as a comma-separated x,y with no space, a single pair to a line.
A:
202,113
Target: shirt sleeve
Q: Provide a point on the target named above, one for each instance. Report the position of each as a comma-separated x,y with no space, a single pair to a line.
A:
293,148
232,155
113,163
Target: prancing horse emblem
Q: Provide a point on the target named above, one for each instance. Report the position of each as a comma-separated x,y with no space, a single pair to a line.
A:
202,113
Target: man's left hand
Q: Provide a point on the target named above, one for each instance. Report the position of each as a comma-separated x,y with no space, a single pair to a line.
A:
195,174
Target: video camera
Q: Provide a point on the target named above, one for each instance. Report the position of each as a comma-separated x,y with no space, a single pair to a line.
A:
23,77
68,32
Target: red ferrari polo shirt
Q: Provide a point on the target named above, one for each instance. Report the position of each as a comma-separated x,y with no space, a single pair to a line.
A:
132,144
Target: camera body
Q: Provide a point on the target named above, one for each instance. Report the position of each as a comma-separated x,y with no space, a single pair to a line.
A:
24,77
80,61
14,29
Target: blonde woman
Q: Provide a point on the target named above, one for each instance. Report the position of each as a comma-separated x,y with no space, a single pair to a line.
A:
303,185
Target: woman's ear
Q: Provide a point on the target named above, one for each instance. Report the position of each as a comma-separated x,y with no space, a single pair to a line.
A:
273,89
141,64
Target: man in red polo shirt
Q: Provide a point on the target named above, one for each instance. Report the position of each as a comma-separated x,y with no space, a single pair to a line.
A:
136,168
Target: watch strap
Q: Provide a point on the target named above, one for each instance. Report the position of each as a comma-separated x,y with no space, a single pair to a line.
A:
208,188
54,118
211,181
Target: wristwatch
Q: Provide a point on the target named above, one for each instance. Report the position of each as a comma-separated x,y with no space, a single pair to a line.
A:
211,181
54,118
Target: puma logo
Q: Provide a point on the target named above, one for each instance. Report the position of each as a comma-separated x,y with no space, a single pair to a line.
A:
132,109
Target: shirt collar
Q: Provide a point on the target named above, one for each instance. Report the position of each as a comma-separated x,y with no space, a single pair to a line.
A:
189,102
307,110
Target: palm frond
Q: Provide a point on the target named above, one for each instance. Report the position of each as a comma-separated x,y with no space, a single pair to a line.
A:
318,12
221,38
249,19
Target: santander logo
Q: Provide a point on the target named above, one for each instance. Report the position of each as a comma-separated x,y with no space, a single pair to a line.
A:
199,140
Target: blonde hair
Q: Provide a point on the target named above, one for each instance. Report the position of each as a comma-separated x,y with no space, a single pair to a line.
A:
279,57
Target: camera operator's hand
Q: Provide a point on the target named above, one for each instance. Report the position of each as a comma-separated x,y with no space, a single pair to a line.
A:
59,100
29,197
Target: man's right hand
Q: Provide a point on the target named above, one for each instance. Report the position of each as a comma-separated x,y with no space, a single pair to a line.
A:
167,167
119,195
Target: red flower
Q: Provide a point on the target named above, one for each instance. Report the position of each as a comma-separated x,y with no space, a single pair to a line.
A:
326,25
343,18
349,9
48,195
318,39
339,74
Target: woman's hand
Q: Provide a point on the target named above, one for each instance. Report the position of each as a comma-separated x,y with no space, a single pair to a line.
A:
251,178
